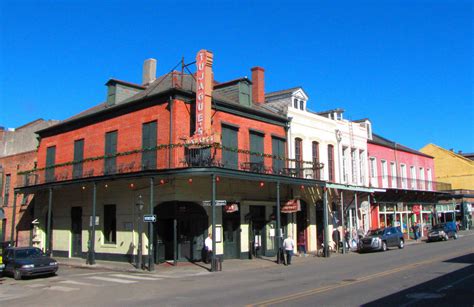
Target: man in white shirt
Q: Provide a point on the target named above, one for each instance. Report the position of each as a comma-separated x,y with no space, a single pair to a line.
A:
208,247
288,246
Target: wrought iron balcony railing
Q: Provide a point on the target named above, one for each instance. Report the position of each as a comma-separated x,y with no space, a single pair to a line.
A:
175,156
408,183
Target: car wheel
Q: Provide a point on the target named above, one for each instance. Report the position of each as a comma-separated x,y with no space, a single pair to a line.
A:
17,275
384,246
455,236
401,244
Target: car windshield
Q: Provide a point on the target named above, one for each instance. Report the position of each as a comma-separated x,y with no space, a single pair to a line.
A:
375,232
438,227
28,253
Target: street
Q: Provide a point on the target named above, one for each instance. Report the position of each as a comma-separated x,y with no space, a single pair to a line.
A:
421,274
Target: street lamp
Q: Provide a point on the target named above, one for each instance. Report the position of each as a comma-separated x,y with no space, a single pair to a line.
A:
139,204
339,139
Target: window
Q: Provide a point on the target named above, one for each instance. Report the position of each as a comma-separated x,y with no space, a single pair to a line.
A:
373,167
331,163
78,157
393,170
361,166
413,177
230,158
149,133
295,103
110,151
278,150
256,145
110,224
344,164
428,179
384,173
299,155
301,105
354,165
316,171
50,161
422,178
7,189
403,174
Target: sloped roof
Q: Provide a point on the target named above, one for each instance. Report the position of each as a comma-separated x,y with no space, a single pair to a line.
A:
172,80
282,92
453,154
378,140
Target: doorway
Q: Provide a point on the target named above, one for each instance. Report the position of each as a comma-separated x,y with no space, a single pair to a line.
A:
319,223
76,231
180,231
302,225
231,231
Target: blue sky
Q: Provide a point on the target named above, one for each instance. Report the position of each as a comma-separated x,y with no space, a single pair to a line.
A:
406,65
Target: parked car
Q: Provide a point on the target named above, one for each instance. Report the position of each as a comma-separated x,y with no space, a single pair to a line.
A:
382,239
443,231
28,261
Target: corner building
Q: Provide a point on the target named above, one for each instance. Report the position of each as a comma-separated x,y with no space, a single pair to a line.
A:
199,155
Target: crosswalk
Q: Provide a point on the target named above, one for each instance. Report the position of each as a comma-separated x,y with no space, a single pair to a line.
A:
90,280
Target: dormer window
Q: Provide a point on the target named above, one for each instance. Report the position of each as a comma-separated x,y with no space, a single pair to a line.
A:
295,103
301,105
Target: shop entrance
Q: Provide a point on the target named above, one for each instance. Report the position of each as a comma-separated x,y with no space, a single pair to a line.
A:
231,232
180,229
76,231
319,223
302,225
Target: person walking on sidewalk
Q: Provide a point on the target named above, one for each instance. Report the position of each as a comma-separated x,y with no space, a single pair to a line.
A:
208,248
288,245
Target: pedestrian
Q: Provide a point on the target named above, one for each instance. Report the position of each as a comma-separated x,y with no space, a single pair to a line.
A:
288,245
336,238
302,244
415,231
208,248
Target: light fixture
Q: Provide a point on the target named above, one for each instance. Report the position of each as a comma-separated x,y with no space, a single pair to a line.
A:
140,203
262,184
83,187
132,185
218,179
106,185
162,181
190,180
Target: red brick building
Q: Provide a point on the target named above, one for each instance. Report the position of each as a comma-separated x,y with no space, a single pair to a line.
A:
166,147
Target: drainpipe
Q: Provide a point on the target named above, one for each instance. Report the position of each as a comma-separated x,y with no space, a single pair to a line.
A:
170,154
48,231
278,225
213,261
326,226
12,234
92,236
151,258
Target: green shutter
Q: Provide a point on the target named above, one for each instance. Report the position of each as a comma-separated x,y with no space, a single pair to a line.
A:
149,135
110,149
256,146
230,140
78,156
50,161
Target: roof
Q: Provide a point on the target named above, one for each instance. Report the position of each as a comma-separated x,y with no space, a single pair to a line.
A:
452,153
173,80
282,92
378,140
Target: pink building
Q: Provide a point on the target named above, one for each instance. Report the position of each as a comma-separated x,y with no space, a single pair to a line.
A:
406,176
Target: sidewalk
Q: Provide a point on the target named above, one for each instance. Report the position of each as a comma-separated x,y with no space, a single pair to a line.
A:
185,269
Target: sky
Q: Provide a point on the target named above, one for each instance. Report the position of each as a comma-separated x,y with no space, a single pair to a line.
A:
406,65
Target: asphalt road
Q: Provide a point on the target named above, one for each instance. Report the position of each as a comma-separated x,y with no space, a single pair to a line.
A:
434,274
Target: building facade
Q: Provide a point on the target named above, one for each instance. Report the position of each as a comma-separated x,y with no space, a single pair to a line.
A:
17,153
200,157
411,193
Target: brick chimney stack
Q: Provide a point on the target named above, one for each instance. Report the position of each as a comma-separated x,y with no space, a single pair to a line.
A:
149,71
258,84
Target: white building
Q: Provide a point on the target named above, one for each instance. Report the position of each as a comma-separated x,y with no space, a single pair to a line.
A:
339,144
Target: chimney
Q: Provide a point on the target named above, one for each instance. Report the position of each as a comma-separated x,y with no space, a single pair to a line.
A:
258,84
149,71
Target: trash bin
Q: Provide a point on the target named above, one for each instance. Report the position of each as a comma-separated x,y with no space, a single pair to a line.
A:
218,262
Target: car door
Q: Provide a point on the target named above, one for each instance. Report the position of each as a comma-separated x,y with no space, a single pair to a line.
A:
9,261
390,235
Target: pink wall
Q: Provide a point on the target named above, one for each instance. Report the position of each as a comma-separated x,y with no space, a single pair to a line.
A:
400,157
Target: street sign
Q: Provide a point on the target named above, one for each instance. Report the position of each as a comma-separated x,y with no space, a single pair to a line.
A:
96,221
207,203
149,218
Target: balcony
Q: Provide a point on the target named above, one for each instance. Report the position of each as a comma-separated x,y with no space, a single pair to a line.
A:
393,182
173,157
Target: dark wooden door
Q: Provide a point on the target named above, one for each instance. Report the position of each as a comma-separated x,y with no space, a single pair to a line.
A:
76,230
231,232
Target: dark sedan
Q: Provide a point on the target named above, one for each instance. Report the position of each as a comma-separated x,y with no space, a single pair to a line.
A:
382,239
28,261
